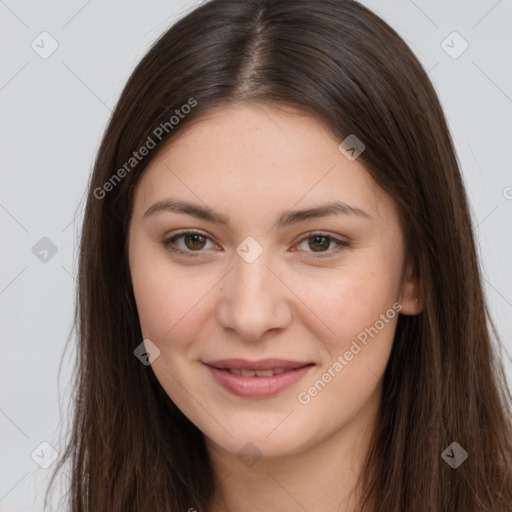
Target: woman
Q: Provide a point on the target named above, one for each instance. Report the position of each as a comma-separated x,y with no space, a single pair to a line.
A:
280,305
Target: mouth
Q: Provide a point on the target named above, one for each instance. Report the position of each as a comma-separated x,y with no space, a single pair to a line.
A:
257,379
255,373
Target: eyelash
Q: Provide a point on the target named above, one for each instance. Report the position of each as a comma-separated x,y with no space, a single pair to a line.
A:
340,244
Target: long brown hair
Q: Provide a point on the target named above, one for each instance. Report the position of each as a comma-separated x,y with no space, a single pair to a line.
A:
130,447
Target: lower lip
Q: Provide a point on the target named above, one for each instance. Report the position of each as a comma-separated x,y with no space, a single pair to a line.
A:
255,387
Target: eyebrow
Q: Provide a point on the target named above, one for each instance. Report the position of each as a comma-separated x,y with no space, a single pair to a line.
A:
287,218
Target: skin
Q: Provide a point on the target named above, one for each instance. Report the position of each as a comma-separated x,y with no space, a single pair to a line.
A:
301,299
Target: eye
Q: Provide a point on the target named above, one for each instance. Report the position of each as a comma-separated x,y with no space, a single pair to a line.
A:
321,242
194,241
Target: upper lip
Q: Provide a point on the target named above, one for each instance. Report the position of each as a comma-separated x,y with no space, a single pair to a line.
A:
262,364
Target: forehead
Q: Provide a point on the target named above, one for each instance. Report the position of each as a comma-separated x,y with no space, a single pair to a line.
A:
259,157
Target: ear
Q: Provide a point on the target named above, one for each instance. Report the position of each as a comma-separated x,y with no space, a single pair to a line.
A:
411,296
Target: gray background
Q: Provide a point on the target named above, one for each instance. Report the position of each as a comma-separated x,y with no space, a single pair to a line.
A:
53,113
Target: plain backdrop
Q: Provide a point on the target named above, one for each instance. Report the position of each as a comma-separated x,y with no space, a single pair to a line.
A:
53,111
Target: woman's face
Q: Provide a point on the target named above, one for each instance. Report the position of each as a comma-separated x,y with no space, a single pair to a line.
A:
275,278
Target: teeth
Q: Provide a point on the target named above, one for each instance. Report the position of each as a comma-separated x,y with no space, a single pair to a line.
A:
265,373
256,373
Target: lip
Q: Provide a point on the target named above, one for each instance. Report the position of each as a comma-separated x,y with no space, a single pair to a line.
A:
257,387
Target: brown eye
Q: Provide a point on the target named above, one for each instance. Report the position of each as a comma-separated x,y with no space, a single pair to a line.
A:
194,241
319,243
188,243
322,244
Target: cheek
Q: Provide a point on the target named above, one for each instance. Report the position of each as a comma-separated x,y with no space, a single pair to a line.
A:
173,305
348,303
361,315
162,298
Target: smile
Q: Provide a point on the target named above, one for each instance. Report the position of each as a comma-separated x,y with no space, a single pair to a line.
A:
257,379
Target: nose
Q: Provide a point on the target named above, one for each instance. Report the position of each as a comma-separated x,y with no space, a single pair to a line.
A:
254,299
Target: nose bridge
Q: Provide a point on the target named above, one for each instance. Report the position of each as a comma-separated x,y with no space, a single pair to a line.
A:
253,300
252,278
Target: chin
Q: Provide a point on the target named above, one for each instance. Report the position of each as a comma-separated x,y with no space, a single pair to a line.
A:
251,440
